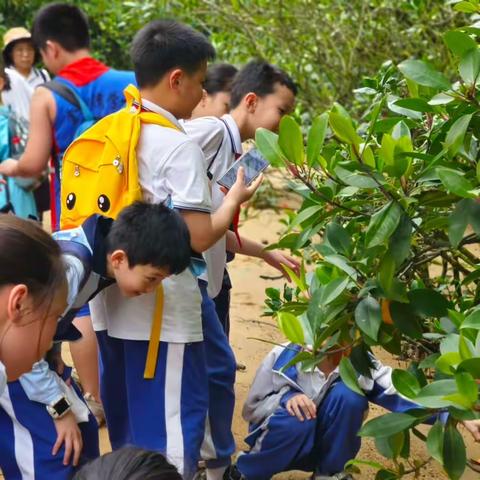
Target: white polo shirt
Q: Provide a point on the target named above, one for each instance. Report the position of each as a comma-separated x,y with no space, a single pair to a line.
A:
221,143
169,164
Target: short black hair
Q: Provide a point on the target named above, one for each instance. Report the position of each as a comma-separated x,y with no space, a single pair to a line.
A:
129,463
260,77
62,23
165,44
219,78
151,234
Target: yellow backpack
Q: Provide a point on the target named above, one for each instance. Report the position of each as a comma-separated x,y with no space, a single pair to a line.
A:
99,168
100,175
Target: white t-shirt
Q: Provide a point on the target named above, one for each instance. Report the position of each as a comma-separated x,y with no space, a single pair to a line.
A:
169,164
221,144
3,378
19,95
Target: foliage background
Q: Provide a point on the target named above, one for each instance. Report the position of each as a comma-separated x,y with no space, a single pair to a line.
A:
327,45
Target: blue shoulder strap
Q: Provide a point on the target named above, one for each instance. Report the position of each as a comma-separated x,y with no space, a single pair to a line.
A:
68,92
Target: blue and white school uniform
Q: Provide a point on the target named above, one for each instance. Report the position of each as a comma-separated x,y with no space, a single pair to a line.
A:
280,442
165,413
221,144
28,431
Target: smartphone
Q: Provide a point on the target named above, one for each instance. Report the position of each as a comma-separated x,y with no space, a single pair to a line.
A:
253,162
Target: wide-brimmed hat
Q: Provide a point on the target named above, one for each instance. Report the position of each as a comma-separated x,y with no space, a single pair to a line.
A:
11,37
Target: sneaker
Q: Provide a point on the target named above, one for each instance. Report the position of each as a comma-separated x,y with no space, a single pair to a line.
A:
95,407
233,473
336,476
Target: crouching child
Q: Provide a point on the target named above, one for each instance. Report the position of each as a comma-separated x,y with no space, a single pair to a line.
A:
309,420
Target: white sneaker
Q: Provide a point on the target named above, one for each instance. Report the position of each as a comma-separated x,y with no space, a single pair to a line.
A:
96,408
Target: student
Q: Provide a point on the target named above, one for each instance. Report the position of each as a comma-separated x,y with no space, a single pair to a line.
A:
261,95
60,32
143,246
166,413
215,101
129,463
309,420
32,296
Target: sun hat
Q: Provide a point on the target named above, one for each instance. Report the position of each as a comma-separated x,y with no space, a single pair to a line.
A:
10,38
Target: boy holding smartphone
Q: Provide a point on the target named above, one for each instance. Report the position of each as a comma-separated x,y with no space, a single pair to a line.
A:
261,95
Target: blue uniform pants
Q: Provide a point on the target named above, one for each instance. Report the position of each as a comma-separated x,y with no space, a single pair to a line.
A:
27,436
219,444
166,413
323,444
222,303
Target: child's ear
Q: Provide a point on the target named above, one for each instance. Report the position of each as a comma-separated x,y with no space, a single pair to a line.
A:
118,257
175,78
251,101
16,302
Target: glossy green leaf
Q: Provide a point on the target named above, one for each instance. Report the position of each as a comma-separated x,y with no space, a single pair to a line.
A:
432,396
368,317
459,42
290,140
386,272
465,7
458,221
469,67
455,183
316,138
424,74
454,453
387,425
382,224
399,244
472,366
267,144
428,303
343,129
456,134
306,214
338,238
333,290
291,327
416,104
435,442
355,179
405,383
349,376
448,362
405,319
472,320
467,387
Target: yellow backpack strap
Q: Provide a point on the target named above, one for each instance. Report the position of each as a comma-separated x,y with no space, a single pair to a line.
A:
132,96
154,342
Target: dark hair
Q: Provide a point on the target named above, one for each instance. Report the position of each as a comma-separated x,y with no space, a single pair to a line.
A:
165,44
8,51
62,23
4,76
219,78
30,256
151,234
258,77
129,463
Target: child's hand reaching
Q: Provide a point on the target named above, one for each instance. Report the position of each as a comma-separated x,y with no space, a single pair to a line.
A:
69,434
301,407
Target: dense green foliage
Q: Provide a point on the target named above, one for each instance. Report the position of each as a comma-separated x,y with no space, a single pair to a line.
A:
327,45
389,230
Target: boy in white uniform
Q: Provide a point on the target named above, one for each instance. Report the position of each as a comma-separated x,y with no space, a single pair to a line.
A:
166,413
261,94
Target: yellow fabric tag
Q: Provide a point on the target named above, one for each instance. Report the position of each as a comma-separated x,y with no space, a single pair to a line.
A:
154,342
